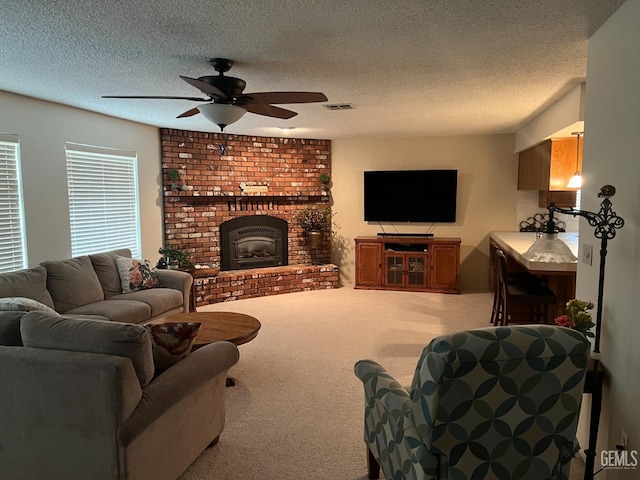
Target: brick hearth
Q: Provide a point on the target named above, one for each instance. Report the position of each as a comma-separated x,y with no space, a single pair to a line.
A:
259,282
256,176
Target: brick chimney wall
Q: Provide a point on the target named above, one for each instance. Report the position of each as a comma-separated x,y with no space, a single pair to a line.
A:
255,176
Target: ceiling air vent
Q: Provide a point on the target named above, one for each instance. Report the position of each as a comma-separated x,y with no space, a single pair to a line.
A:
339,106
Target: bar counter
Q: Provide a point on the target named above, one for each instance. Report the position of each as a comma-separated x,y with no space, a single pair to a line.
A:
517,243
560,277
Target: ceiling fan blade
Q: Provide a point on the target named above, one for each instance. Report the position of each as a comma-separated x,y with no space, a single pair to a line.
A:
286,97
268,110
189,113
204,87
195,99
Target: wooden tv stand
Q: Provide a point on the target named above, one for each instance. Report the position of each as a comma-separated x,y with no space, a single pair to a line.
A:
424,264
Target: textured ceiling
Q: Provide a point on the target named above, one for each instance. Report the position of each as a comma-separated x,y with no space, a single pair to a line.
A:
414,67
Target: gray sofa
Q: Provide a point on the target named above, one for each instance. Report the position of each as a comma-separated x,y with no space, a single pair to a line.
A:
79,401
90,285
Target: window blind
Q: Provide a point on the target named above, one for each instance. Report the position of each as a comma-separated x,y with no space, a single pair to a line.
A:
103,199
12,237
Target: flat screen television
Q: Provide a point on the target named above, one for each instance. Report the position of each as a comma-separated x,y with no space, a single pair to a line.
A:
410,196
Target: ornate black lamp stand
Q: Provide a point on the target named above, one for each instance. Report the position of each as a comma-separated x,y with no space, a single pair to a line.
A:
606,222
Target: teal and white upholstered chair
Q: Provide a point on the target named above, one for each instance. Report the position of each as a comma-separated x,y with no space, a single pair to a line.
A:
493,403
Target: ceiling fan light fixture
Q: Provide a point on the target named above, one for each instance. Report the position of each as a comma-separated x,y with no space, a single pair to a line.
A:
222,114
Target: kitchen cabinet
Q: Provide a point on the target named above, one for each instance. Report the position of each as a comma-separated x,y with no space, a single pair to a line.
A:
547,167
408,263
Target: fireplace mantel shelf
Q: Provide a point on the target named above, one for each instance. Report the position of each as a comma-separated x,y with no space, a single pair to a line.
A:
207,195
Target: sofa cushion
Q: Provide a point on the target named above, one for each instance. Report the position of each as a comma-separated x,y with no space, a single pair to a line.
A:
171,342
125,311
136,274
29,283
10,328
105,266
23,304
72,283
160,300
41,330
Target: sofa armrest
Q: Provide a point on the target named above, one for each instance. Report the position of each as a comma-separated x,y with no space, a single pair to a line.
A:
10,328
178,382
178,280
56,402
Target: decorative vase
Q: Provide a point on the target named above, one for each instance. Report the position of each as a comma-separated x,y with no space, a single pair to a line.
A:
314,238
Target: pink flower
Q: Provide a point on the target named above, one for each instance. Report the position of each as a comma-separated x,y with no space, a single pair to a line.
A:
135,277
565,321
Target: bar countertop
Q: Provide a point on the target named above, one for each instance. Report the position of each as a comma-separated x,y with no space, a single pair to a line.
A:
517,243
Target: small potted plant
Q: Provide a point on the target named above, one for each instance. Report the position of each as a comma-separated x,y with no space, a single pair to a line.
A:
176,259
314,222
324,181
578,317
174,176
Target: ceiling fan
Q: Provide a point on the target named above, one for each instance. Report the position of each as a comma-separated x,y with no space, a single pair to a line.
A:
228,103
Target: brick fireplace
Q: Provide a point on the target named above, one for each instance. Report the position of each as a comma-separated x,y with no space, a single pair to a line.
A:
270,177
254,241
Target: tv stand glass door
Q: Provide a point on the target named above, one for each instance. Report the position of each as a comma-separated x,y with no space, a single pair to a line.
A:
405,270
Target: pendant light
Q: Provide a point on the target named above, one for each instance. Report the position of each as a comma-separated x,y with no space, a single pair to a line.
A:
576,180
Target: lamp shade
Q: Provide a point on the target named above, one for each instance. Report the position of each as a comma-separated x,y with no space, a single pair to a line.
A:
221,114
549,248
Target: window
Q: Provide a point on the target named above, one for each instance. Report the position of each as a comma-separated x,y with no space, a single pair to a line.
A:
12,238
103,199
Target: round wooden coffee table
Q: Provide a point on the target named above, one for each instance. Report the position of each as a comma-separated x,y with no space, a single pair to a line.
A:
236,328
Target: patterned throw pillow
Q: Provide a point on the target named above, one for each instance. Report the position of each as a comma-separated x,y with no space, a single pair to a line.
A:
171,342
136,274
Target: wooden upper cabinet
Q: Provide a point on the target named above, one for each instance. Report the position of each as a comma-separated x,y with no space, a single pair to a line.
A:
547,167
534,167
563,162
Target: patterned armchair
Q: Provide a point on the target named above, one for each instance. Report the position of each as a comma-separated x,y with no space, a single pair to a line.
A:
493,403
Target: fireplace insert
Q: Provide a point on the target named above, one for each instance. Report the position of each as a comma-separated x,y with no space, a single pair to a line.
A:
253,241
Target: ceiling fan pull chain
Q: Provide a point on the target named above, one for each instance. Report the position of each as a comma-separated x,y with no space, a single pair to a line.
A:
223,145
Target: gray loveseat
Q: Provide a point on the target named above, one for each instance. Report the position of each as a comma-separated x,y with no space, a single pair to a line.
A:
79,401
90,285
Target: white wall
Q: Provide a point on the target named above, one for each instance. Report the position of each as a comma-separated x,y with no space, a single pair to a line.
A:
559,120
487,180
43,128
611,156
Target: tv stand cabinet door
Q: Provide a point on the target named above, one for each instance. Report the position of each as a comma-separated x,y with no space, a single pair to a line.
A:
444,262
368,264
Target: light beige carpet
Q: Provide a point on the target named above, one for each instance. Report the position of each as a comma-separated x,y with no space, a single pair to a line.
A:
296,411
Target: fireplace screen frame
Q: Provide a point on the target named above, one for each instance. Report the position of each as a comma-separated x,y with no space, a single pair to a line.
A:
264,228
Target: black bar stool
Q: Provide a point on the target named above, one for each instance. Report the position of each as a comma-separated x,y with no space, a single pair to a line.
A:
519,290
513,278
